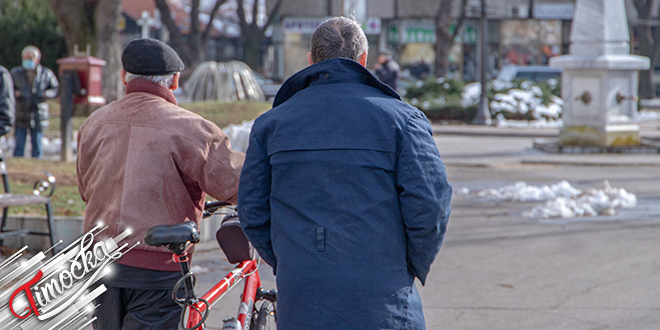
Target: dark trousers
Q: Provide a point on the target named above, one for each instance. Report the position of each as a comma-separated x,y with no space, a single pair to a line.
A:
20,135
133,309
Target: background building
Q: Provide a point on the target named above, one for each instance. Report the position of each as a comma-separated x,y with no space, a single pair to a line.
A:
516,34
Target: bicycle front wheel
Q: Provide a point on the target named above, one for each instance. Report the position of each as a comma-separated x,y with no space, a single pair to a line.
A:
265,318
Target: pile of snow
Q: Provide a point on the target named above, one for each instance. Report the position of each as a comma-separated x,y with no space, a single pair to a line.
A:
646,115
526,100
521,191
499,84
48,146
239,135
53,147
471,94
562,199
537,123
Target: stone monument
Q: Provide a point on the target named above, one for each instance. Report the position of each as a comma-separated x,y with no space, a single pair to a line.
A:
599,79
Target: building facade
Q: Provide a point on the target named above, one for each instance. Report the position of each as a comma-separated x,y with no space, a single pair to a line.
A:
521,32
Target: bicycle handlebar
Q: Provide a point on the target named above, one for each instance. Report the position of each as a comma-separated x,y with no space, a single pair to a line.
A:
211,206
215,204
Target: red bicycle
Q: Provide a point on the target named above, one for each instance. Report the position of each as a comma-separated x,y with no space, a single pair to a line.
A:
178,238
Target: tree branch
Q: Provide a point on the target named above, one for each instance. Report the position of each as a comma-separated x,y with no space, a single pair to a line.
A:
459,23
175,35
207,32
241,16
255,12
194,20
442,19
272,13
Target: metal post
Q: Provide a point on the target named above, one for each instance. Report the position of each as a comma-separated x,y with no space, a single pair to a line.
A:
482,117
70,86
278,47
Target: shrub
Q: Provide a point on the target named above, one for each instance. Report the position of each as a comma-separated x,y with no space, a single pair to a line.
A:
452,100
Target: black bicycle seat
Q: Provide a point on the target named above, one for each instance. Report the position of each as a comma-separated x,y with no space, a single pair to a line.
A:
174,237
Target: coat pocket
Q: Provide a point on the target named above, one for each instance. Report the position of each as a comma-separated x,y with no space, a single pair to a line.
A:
320,239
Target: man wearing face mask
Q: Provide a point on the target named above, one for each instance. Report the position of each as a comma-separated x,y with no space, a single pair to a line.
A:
33,85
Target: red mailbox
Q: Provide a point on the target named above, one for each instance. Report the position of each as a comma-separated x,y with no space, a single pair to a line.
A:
90,74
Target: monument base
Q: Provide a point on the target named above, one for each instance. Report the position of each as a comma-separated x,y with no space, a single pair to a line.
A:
608,136
552,145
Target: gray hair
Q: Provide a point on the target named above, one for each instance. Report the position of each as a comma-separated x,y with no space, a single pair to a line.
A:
165,80
32,50
338,37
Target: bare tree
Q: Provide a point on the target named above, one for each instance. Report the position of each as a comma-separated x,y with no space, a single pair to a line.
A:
252,33
192,47
94,22
648,35
444,37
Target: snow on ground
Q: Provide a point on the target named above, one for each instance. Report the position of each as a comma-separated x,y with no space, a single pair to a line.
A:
527,98
646,115
538,123
239,135
471,94
49,147
562,199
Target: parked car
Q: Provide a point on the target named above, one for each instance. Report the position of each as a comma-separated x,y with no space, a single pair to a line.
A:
535,73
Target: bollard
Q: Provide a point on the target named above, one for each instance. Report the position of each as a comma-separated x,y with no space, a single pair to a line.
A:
70,87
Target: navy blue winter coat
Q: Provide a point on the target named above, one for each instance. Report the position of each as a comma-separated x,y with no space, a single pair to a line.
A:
344,193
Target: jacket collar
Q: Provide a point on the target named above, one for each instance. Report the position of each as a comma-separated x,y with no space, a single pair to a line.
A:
37,70
146,86
336,70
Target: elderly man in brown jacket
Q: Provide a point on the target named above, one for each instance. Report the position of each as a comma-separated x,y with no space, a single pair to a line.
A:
144,161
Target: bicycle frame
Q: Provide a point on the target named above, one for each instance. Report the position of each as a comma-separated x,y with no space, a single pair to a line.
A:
252,284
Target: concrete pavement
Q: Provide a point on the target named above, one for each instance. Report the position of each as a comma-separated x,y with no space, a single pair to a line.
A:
500,270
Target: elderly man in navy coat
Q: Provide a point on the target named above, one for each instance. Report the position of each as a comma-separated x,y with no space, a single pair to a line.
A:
343,193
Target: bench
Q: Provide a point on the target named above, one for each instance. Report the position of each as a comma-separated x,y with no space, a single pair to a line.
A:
8,200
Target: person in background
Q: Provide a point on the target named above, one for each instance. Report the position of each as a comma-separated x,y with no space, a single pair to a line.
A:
343,193
33,85
387,70
7,101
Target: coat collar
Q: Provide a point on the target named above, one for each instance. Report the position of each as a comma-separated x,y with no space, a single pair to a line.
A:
37,70
146,86
336,70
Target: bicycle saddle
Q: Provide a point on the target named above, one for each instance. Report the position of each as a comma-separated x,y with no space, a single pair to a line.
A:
175,238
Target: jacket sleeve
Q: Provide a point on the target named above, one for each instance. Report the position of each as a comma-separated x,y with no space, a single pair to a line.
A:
7,103
80,167
254,200
52,85
424,195
220,167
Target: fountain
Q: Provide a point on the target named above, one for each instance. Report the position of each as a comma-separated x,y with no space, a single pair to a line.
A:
223,81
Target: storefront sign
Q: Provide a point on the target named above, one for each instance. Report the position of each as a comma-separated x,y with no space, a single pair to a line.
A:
423,31
372,25
554,11
308,25
418,31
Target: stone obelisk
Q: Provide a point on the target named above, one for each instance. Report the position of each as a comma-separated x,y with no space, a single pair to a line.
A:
599,79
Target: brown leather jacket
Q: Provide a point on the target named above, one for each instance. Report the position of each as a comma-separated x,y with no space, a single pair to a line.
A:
143,161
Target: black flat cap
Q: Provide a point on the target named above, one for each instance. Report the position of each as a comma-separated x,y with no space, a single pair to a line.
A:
150,57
